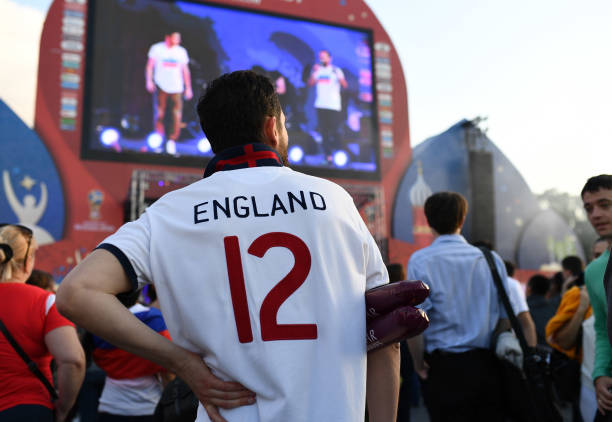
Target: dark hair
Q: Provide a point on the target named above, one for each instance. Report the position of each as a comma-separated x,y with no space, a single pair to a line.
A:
556,281
573,264
595,183
234,107
396,272
41,279
445,211
538,284
509,268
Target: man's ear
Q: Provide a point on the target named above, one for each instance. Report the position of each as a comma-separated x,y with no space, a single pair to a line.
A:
270,132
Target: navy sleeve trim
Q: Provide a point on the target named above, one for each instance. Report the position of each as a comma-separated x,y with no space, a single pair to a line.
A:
124,261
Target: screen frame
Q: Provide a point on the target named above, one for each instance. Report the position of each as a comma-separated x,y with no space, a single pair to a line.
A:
89,153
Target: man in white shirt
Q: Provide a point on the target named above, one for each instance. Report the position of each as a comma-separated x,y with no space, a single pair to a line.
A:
260,272
329,79
518,300
169,79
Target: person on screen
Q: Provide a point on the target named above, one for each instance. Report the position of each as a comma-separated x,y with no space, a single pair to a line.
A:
329,79
168,78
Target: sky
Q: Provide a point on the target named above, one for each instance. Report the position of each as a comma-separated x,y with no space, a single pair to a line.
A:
20,27
540,71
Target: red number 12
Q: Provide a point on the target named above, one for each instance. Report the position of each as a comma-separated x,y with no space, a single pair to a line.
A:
270,329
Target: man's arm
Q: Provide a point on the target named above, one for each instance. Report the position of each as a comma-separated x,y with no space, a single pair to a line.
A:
383,380
149,75
87,297
312,79
187,80
529,328
521,310
603,352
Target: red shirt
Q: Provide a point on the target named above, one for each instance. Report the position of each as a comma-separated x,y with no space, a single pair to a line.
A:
29,313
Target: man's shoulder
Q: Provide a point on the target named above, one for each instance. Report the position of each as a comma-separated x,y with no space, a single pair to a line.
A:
182,49
446,253
428,252
419,255
441,247
157,46
596,268
535,301
314,182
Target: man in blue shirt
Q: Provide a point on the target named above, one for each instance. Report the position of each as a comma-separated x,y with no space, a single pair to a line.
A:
453,357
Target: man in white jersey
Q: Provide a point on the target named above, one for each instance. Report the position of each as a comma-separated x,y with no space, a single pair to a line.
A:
328,80
168,78
261,274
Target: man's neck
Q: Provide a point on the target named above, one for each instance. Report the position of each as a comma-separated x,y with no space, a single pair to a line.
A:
436,234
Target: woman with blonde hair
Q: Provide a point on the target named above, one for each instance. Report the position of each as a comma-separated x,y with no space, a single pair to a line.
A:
33,331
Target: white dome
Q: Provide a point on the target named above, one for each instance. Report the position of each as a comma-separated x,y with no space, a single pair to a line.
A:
419,192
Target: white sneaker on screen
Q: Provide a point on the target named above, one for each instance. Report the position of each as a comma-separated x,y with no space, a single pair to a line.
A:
171,147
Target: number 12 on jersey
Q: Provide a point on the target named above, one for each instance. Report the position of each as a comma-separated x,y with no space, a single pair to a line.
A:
270,329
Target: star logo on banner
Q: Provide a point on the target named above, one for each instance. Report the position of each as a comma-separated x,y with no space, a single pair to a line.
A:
27,182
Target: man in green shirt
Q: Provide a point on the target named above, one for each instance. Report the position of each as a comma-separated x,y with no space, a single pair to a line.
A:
597,201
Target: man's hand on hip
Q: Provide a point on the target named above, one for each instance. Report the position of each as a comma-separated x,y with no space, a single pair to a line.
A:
211,391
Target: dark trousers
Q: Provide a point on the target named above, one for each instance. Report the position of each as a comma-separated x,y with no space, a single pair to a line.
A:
463,387
87,401
329,122
27,412
107,417
602,418
405,393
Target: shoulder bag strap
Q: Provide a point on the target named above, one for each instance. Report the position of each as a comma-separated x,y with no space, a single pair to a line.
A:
505,301
29,362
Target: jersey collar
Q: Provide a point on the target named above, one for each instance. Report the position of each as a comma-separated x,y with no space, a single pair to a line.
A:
243,156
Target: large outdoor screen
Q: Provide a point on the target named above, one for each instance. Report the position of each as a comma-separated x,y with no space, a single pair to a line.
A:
150,60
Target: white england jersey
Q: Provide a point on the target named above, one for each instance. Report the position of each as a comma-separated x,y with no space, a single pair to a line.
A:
328,87
262,271
168,70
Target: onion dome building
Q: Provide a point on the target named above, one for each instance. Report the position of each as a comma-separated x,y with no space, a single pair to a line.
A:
502,208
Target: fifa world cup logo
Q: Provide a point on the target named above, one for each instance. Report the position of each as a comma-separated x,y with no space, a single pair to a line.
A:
95,199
